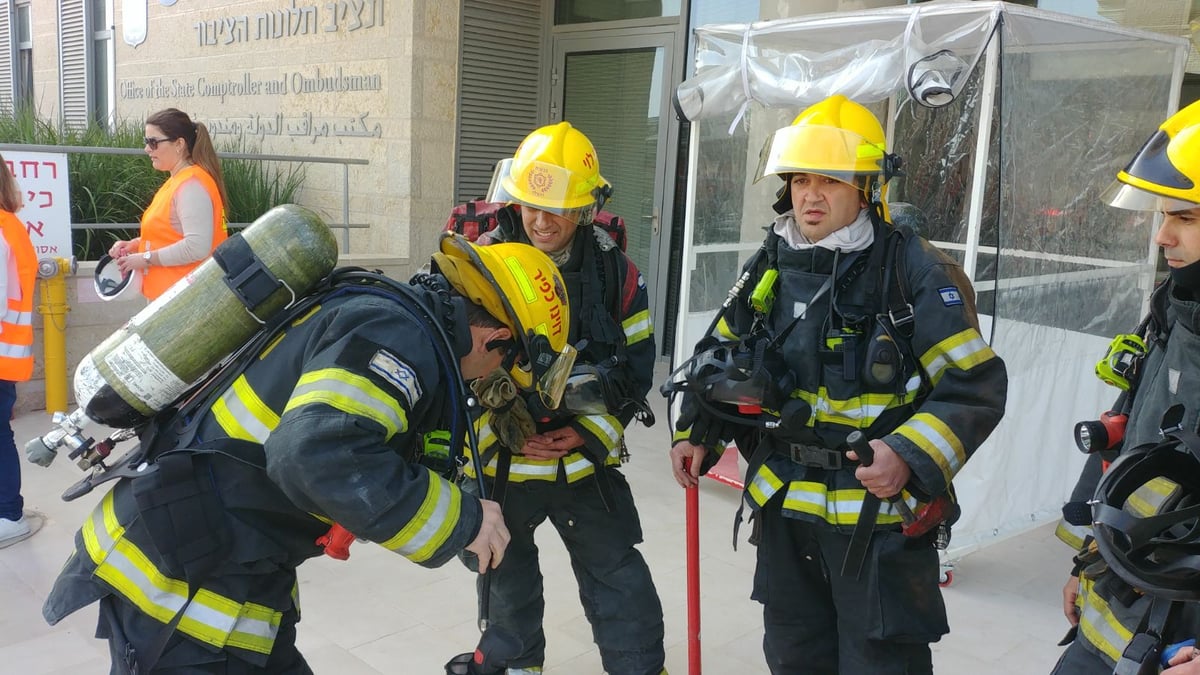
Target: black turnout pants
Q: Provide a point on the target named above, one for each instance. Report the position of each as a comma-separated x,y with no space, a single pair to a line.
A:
817,621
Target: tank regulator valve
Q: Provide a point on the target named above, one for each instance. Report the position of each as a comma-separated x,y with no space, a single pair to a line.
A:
43,449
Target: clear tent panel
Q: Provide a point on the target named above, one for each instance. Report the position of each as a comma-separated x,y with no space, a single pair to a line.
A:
1006,178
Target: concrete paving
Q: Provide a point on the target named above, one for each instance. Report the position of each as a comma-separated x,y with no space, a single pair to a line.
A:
378,613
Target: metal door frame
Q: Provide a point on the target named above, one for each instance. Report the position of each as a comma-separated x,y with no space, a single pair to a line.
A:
661,37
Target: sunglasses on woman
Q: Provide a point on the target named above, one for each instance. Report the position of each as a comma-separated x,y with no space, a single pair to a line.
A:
152,143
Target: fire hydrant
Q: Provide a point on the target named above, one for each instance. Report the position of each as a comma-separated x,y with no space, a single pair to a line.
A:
53,274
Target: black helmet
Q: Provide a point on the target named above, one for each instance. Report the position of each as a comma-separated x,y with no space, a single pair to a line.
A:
1158,554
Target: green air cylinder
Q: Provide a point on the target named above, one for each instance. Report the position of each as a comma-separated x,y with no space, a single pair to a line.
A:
171,344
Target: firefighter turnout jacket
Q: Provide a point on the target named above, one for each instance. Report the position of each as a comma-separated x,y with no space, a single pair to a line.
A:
1109,609
336,405
835,304
610,309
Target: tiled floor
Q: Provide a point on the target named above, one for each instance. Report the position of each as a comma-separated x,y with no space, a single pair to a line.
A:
377,613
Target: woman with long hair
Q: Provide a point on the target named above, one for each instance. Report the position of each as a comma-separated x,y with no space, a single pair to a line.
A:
186,219
18,273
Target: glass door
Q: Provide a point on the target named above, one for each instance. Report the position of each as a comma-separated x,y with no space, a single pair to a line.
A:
616,91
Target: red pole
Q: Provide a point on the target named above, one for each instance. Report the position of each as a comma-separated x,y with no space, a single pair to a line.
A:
692,523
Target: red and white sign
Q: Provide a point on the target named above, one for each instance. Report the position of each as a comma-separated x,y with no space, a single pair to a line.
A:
42,177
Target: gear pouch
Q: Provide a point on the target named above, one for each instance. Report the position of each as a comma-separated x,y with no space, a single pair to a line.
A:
904,602
184,515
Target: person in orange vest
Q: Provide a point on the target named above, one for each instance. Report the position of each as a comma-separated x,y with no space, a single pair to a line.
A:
16,350
186,219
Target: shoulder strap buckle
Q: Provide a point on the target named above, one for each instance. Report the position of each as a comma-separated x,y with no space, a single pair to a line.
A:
901,316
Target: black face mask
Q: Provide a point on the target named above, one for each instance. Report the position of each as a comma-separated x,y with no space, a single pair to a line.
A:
1187,280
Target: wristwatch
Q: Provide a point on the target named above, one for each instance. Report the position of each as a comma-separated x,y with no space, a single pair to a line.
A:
146,257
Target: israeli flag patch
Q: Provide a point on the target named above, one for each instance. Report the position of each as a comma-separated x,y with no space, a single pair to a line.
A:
398,373
641,281
950,296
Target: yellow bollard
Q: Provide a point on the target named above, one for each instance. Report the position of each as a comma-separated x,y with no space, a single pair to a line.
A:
53,274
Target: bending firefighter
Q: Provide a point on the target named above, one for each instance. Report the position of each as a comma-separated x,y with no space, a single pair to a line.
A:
843,324
564,464
1132,597
194,562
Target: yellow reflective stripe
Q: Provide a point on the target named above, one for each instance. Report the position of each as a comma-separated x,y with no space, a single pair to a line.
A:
1097,623
296,598
578,466
963,350
209,617
1072,535
242,414
857,411
935,439
1149,497
432,524
352,394
606,428
637,326
524,468
837,507
764,485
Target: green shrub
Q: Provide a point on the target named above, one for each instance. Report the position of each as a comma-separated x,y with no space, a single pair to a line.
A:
118,188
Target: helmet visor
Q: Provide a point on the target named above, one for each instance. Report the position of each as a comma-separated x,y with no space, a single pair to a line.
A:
1124,196
110,283
828,151
546,187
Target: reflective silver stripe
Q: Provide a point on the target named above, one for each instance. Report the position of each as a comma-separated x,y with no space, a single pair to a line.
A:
637,327
15,316
918,425
1072,535
340,388
427,523
15,351
241,414
526,468
577,466
839,507
1098,624
209,617
764,486
604,427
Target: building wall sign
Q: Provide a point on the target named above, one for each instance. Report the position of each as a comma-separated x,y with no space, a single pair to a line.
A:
330,17
315,81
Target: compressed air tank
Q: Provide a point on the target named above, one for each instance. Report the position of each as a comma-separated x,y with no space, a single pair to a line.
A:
171,344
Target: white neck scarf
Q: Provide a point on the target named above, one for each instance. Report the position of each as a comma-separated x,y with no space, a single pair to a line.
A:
856,236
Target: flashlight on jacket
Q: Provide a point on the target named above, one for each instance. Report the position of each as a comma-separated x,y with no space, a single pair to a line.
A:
1102,434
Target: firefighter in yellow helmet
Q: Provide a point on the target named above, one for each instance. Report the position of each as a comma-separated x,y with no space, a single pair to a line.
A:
568,470
335,415
847,324
1110,606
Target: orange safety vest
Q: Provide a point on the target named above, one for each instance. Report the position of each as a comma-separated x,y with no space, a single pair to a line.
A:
16,327
157,232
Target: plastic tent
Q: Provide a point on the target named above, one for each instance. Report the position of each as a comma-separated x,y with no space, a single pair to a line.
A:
1035,113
